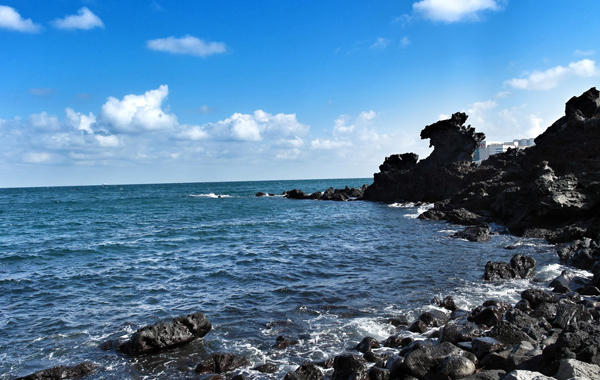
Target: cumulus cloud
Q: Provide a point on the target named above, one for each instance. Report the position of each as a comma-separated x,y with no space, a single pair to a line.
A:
84,19
537,128
256,127
12,20
44,121
454,10
137,113
187,45
545,80
79,121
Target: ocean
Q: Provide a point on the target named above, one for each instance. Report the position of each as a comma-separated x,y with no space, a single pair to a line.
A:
83,265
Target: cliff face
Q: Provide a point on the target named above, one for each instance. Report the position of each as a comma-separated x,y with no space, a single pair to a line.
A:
551,189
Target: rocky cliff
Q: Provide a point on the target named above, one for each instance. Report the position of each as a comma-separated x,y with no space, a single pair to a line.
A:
550,190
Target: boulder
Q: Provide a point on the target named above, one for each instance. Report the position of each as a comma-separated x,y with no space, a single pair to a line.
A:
526,375
349,367
62,372
536,297
427,361
482,346
509,334
571,368
307,371
447,303
488,316
479,233
221,362
367,344
579,341
376,373
520,266
460,332
165,335
487,374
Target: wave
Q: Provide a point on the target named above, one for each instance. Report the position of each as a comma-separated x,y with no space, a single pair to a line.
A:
210,195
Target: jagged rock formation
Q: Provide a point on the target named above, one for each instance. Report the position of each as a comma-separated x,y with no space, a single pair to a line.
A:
549,190
439,176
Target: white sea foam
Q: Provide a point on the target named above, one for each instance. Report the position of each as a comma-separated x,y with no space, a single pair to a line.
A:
210,195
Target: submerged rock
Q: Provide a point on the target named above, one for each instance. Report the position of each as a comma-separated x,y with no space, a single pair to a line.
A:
62,372
165,335
221,362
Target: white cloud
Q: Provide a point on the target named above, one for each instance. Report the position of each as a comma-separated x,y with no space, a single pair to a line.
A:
108,141
84,19
137,113
454,10
404,41
329,144
187,45
12,20
79,121
44,121
380,43
537,127
192,132
256,127
584,52
37,157
545,80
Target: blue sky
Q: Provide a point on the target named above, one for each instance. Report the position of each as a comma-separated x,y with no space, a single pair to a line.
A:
103,91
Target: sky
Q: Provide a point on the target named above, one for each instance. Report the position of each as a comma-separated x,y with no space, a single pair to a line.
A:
119,92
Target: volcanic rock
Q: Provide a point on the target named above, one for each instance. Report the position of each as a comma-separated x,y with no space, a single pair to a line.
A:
349,367
479,233
221,362
62,372
164,335
520,266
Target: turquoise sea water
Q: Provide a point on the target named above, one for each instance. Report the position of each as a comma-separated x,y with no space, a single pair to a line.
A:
83,265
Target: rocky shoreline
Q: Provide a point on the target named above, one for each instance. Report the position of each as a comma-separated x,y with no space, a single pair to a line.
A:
551,190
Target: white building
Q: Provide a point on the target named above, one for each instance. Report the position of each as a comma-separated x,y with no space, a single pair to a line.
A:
489,148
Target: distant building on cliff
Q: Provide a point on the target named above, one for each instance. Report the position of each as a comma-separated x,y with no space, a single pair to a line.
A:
489,148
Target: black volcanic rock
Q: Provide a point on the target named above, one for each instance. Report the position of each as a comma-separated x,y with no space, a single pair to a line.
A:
548,190
479,233
221,362
62,372
452,140
166,334
439,176
520,266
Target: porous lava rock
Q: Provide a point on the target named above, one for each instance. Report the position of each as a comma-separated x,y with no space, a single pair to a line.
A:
221,362
165,335
437,177
62,372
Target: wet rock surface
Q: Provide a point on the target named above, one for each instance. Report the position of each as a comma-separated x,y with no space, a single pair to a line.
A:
165,335
62,372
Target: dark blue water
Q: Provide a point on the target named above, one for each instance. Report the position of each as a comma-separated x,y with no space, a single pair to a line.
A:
83,265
